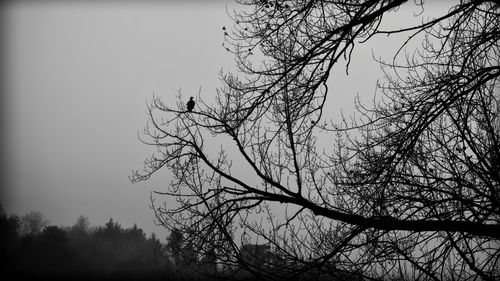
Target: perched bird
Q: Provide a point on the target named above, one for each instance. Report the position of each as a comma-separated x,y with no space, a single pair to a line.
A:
190,104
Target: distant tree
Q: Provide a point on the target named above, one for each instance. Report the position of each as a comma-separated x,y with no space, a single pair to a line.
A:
409,188
256,255
45,254
135,234
54,234
9,240
175,245
33,223
85,247
111,230
2,211
111,244
54,242
82,225
9,226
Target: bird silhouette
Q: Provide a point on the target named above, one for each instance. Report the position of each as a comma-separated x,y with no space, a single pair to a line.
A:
190,104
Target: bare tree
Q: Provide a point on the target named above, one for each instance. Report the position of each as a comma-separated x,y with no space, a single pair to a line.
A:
81,226
33,223
410,189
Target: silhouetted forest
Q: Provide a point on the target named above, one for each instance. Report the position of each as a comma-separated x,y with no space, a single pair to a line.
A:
35,249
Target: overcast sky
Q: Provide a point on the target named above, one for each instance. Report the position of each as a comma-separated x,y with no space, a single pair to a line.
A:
76,78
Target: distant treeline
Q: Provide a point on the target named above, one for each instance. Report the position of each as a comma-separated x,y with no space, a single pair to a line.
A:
33,249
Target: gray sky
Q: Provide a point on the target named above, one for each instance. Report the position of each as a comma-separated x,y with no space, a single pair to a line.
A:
76,79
